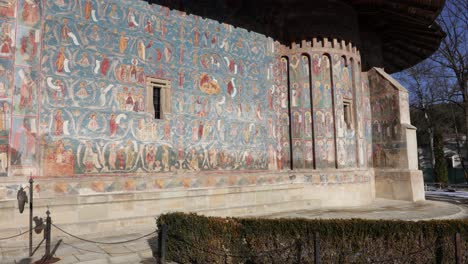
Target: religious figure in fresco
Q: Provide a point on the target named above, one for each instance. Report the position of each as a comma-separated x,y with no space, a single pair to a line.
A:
132,23
58,123
194,160
24,142
65,31
129,155
60,60
295,95
84,61
4,117
141,50
28,46
121,159
112,157
82,92
150,157
165,158
94,34
298,154
30,12
129,101
88,8
308,124
105,65
93,124
113,126
113,13
123,42
329,124
6,40
4,160
200,130
90,159
58,93
196,37
7,8
297,124
149,27
26,91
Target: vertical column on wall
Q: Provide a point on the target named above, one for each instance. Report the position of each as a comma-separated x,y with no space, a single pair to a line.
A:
344,103
359,114
24,126
324,130
283,128
367,117
301,119
8,26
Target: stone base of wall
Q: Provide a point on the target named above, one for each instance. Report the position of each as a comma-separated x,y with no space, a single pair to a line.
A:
399,184
104,212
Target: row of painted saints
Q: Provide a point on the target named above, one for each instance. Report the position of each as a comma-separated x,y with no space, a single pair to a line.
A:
63,123
131,156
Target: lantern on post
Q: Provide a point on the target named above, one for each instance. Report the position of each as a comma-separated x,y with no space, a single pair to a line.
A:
22,199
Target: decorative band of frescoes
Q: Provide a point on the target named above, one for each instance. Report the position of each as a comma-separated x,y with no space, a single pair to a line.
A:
99,185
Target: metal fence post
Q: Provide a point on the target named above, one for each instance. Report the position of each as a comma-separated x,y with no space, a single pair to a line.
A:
31,181
316,248
458,250
162,247
47,235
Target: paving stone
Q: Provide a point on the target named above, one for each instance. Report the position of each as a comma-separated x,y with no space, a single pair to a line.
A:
146,254
96,261
86,248
132,258
90,256
65,250
118,249
68,260
137,246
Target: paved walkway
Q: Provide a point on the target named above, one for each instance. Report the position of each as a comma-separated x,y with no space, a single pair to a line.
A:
384,209
72,250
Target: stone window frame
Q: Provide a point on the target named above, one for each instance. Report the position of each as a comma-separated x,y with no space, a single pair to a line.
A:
348,113
165,94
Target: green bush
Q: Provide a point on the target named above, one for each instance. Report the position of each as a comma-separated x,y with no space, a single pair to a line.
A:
198,239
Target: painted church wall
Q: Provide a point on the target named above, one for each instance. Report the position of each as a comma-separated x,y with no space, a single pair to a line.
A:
324,122
80,102
76,85
301,118
7,79
389,143
281,107
344,92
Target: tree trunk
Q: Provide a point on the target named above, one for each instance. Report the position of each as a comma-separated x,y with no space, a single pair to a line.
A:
464,153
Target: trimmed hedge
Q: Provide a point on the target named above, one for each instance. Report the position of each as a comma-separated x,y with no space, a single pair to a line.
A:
199,239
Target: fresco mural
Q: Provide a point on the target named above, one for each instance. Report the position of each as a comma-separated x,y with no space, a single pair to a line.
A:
367,119
73,89
93,114
301,118
324,122
344,92
386,129
282,120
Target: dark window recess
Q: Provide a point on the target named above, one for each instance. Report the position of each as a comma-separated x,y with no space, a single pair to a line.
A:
347,114
157,102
